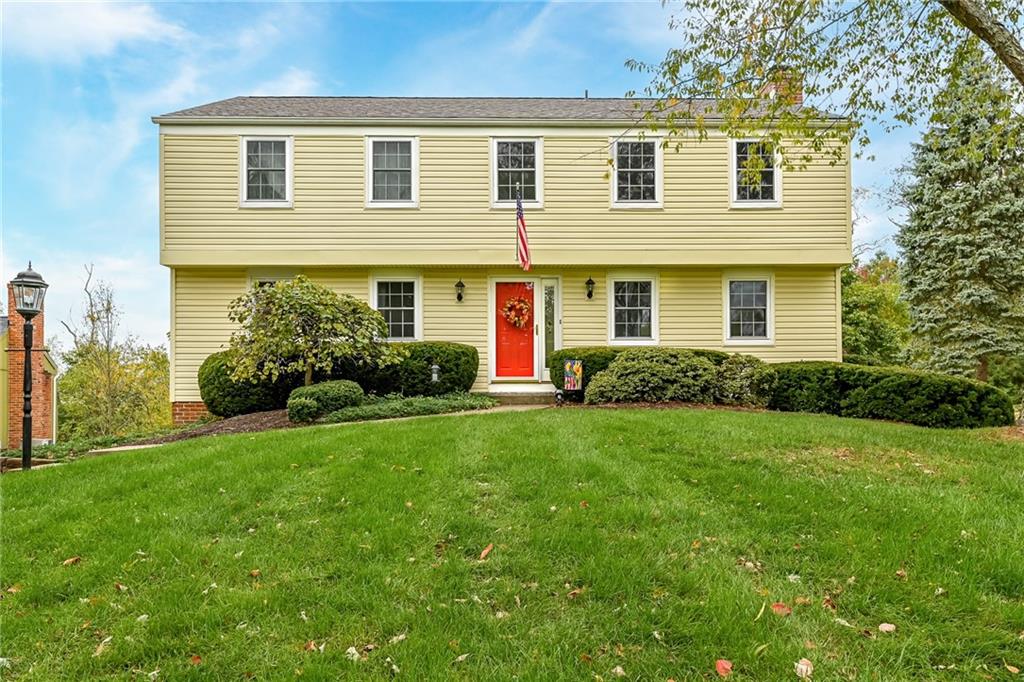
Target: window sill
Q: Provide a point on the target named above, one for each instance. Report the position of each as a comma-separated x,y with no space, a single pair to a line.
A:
755,204
632,342
393,204
749,342
265,204
638,206
537,205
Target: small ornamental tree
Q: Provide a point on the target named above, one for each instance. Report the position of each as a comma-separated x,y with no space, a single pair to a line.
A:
301,327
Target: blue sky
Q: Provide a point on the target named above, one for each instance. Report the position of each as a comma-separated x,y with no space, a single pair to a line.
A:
80,83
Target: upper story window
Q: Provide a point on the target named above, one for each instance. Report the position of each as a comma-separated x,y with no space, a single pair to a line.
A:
266,172
392,174
517,165
748,313
398,300
637,178
755,175
633,310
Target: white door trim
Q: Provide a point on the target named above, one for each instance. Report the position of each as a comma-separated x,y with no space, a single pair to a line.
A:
492,310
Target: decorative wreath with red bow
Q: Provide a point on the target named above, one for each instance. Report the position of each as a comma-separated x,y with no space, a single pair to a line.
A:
517,312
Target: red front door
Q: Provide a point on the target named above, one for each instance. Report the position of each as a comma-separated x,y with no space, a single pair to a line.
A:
514,338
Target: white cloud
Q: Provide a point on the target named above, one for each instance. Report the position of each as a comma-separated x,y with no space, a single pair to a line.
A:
294,81
69,32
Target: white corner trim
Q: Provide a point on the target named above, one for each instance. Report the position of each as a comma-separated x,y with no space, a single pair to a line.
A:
659,173
417,280
733,201
748,275
538,169
625,276
243,174
415,161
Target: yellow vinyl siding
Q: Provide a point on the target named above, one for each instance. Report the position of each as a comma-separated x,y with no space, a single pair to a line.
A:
202,223
690,311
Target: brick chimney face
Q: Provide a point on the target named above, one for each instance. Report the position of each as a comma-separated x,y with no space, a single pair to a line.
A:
42,382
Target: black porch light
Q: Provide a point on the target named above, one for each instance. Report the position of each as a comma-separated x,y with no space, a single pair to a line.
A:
29,291
460,290
590,287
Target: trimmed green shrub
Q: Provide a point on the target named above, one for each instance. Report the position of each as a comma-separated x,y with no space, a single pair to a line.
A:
744,380
327,397
595,359
892,393
302,410
654,375
458,363
412,407
226,397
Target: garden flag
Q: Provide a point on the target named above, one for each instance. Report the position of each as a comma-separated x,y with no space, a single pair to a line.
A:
522,241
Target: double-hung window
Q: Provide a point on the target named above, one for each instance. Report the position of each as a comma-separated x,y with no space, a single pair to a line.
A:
518,167
756,177
633,310
748,317
398,300
636,182
266,172
392,173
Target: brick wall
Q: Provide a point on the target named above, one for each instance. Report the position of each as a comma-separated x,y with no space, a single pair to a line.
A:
187,412
42,382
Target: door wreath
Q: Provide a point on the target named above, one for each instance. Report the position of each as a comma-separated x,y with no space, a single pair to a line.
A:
516,312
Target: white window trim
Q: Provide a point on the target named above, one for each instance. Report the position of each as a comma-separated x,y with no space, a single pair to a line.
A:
746,203
538,152
417,302
633,277
271,275
747,275
659,173
415,150
243,174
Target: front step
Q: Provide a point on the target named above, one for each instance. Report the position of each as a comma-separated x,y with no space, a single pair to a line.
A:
534,398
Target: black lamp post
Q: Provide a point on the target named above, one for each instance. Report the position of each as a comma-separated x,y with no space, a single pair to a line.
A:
29,291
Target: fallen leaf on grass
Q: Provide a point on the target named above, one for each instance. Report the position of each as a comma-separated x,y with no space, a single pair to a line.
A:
255,573
761,649
352,654
723,667
828,603
845,623
572,594
801,601
901,574
761,612
461,657
103,646
487,550
196,659
397,638
1012,668
584,504
618,671
120,587
803,669
14,589
72,561
143,618
780,609
887,627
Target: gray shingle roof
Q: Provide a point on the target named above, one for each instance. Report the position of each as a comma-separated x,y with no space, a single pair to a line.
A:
429,108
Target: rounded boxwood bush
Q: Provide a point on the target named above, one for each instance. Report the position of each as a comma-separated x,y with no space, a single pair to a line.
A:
744,380
328,396
226,397
458,365
303,410
893,393
654,375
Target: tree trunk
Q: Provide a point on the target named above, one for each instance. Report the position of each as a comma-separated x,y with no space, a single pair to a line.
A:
978,20
308,381
981,371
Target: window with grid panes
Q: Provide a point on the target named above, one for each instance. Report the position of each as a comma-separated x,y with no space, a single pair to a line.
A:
392,170
633,315
396,301
636,171
266,170
748,309
516,163
755,185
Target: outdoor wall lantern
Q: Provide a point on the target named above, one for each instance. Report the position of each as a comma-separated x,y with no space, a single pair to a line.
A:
460,289
590,287
29,291
435,373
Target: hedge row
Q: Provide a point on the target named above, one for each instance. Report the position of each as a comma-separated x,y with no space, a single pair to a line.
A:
597,358
411,407
309,403
458,364
893,393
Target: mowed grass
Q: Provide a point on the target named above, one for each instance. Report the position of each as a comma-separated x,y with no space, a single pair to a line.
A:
652,541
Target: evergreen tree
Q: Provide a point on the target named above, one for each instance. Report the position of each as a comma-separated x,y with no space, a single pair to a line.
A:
963,241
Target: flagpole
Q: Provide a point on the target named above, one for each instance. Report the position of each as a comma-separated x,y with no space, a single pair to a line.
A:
519,198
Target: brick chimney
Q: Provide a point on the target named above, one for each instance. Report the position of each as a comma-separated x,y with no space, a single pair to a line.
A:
42,380
784,83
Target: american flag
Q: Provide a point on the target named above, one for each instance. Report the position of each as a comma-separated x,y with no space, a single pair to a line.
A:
522,240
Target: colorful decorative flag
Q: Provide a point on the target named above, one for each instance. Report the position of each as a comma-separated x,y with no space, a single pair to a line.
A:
522,240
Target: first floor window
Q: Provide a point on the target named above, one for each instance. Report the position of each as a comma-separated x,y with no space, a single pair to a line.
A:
636,172
748,309
516,168
266,170
755,171
633,309
396,301
392,170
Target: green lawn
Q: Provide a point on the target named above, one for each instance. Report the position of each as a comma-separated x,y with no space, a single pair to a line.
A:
654,541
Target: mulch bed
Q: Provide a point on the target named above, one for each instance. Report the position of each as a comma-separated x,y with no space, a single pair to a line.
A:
244,423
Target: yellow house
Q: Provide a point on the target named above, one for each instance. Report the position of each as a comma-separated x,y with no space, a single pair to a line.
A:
409,203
